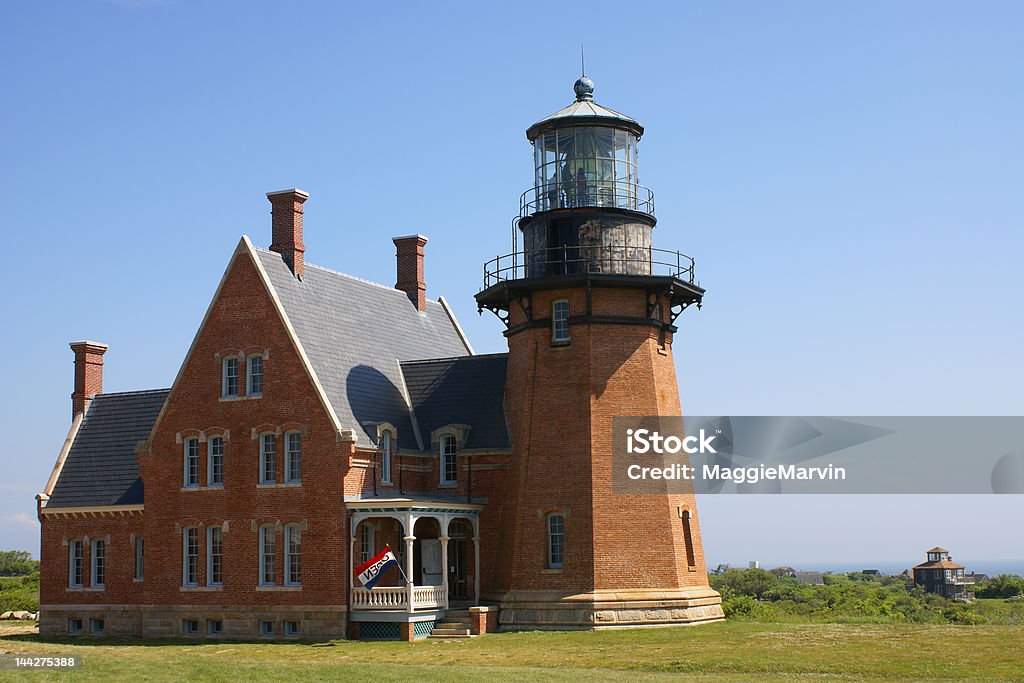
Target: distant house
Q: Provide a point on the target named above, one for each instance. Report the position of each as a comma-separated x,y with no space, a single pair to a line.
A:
940,575
871,572
976,578
783,571
813,578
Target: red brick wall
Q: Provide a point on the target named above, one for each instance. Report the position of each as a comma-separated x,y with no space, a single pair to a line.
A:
560,400
244,318
118,531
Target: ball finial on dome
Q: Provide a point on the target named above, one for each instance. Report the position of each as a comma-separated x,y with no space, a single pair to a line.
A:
584,89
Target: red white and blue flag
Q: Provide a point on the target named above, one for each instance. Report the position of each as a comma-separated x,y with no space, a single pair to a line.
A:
368,572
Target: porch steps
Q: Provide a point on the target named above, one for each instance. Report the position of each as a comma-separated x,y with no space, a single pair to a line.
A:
455,624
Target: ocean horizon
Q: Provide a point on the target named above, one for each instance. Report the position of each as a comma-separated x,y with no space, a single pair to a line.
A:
989,567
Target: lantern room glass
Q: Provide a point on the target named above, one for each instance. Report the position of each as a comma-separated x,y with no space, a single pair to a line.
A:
585,166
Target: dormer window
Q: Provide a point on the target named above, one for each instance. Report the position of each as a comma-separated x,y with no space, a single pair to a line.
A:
449,467
386,444
254,379
560,321
229,377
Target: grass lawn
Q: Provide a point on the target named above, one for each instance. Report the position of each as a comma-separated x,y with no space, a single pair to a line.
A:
733,650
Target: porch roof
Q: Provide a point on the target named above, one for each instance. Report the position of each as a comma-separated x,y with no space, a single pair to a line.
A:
422,504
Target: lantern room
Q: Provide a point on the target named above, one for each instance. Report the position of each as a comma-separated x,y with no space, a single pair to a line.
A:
585,155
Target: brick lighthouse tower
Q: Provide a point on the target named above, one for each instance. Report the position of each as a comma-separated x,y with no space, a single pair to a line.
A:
590,308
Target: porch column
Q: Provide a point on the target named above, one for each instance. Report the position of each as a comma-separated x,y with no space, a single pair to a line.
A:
476,570
410,539
444,566
353,525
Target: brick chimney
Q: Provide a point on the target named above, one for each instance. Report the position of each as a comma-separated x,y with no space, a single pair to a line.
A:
411,279
88,374
286,220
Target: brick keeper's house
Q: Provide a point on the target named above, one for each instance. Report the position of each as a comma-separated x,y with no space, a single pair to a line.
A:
317,417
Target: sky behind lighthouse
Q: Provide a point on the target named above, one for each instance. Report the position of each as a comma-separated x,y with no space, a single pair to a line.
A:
847,175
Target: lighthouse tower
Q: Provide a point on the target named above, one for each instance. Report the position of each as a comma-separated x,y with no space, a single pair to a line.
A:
590,308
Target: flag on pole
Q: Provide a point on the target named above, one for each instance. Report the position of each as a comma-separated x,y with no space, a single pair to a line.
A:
368,572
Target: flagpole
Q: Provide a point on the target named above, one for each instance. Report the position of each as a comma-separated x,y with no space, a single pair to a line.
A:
407,581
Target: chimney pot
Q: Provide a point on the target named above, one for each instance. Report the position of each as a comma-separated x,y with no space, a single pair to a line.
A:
411,278
88,374
286,227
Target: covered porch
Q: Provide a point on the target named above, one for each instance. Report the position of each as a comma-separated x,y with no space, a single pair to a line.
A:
437,544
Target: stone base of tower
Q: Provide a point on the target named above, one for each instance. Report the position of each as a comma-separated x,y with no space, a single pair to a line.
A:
603,609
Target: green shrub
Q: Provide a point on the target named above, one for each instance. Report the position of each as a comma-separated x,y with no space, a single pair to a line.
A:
20,593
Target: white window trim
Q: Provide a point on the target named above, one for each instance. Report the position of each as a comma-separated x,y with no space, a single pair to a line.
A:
248,375
209,460
185,556
262,559
555,320
224,377
288,531
209,555
185,462
288,479
442,459
94,564
71,563
551,564
263,458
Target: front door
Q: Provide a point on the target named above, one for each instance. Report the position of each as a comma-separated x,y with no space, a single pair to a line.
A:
430,562
457,589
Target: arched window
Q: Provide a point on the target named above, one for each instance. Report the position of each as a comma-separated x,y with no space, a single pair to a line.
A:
268,458
215,461
191,464
556,540
293,457
268,555
449,461
190,556
293,555
386,443
688,539
214,556
560,320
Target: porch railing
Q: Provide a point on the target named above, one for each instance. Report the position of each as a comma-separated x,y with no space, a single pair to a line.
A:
397,597
429,596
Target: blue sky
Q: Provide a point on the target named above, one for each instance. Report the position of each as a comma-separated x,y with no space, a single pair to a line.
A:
847,174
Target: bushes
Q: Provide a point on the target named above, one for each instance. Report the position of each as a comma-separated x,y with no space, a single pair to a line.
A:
1002,586
762,596
20,593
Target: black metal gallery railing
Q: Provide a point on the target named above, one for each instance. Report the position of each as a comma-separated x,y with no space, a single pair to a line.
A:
577,193
620,259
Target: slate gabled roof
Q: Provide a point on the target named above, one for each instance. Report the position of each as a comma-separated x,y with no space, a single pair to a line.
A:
100,468
468,390
355,333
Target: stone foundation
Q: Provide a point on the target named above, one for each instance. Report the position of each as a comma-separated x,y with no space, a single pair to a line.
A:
554,611
162,621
